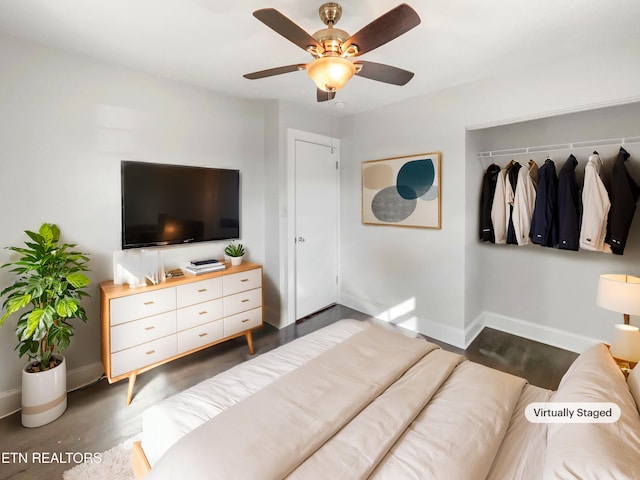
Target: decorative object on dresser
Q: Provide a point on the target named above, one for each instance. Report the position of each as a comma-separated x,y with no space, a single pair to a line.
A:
235,253
51,282
145,327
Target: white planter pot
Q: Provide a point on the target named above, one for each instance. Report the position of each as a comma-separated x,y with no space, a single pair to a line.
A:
236,260
44,395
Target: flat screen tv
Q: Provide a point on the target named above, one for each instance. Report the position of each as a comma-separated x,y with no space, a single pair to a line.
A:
175,204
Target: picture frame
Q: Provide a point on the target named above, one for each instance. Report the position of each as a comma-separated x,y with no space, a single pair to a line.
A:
403,191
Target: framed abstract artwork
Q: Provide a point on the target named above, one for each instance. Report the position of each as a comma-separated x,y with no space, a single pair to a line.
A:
402,191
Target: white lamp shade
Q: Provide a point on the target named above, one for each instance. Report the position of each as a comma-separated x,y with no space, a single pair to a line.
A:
626,343
620,293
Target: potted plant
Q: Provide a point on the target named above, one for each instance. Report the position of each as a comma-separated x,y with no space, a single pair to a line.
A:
48,289
235,253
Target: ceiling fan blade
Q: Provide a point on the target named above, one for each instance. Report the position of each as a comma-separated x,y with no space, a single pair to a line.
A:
270,72
323,96
384,29
384,73
273,19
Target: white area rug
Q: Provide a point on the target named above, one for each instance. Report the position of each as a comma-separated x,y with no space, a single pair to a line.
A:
116,464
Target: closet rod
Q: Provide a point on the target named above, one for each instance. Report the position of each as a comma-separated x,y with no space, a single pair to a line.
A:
610,142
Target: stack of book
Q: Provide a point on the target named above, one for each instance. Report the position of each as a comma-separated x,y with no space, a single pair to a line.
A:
198,267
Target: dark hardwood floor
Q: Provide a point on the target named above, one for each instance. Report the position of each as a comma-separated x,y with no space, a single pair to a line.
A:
98,419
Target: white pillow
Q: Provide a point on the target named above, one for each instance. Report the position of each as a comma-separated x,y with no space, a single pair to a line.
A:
634,385
595,450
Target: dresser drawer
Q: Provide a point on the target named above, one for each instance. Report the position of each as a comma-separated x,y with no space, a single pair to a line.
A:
199,336
130,334
142,355
133,307
243,301
189,317
242,321
200,291
239,282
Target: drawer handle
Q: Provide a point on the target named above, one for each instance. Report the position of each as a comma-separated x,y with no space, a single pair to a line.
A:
245,320
202,313
150,302
244,280
202,290
202,335
150,352
245,300
149,328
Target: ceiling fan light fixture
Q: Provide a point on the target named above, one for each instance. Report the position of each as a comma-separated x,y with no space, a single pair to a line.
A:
330,74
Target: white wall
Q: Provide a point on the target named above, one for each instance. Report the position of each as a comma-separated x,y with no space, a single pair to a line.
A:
66,121
279,118
432,280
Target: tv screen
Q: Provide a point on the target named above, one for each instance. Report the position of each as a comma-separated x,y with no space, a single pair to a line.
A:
170,204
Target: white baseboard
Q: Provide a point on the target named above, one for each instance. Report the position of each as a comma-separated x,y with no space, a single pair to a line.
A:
404,317
11,400
462,338
537,332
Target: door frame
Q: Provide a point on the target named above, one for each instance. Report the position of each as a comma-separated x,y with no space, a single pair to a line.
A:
289,244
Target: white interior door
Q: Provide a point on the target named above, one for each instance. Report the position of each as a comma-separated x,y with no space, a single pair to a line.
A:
316,227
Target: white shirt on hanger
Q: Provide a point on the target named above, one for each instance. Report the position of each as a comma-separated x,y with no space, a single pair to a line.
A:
499,210
524,202
595,208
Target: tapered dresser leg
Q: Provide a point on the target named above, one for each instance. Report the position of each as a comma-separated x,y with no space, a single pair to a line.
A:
249,341
132,382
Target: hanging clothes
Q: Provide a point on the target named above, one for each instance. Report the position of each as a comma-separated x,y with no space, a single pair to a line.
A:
569,206
498,207
624,195
511,184
595,208
489,181
544,221
524,202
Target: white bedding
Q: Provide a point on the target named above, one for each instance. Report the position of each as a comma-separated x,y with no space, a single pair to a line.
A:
354,400
168,421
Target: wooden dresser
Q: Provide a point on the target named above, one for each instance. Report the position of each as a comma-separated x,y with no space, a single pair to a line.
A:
145,327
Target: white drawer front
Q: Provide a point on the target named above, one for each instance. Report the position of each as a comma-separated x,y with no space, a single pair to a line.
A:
140,305
197,292
189,317
242,321
130,334
239,282
199,336
243,301
137,357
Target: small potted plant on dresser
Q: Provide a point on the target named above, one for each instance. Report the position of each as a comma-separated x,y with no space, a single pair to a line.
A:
235,253
48,287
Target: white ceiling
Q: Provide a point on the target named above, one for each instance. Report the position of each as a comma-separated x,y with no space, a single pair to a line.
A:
211,43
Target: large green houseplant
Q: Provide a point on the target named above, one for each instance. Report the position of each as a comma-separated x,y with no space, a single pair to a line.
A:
49,287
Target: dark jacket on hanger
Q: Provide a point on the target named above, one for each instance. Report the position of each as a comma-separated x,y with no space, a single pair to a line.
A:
544,222
624,195
569,206
512,178
486,200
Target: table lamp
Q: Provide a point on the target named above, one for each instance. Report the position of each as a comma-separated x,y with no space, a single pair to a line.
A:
626,343
621,293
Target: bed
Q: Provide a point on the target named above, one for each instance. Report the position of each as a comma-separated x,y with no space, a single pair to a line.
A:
358,399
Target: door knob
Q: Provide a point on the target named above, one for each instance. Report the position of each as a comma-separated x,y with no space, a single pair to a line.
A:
301,239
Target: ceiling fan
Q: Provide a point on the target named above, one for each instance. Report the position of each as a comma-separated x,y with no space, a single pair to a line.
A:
333,48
